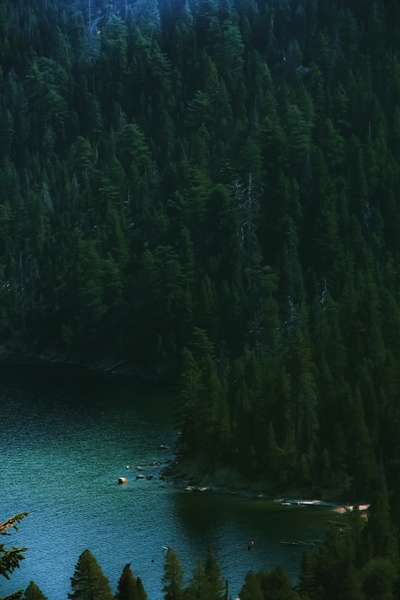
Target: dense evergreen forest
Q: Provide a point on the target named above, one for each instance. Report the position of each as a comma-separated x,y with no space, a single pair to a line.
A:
213,189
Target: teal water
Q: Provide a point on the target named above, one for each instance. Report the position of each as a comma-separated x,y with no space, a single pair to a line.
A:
67,436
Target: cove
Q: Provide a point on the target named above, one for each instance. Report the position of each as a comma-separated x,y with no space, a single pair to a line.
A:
66,437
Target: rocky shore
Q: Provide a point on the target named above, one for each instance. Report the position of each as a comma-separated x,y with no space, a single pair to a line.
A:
194,474
197,474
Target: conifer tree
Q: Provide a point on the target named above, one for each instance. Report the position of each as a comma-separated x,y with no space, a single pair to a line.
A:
213,574
307,586
349,586
251,589
187,403
380,529
378,579
127,585
361,455
142,595
173,576
198,587
89,581
33,592
276,583
11,558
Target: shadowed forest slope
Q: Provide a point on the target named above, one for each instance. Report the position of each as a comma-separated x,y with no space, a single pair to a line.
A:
214,188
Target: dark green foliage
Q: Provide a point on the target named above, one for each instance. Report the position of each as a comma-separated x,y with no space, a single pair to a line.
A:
222,178
33,592
173,577
276,584
251,589
214,578
308,586
359,561
127,585
10,558
89,581
381,531
141,593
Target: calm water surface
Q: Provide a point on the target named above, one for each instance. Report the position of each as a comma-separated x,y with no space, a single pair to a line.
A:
67,436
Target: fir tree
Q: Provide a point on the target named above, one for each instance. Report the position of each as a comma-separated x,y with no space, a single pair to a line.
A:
10,558
276,583
33,592
173,576
140,590
89,581
213,574
251,589
127,585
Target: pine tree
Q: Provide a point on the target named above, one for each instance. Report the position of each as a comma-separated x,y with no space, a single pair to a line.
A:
303,392
380,529
141,592
276,583
378,579
10,558
334,554
349,585
173,577
307,586
198,586
189,440
127,585
361,456
251,589
213,574
89,581
33,592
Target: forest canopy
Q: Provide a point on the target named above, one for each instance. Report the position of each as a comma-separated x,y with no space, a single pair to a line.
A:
213,189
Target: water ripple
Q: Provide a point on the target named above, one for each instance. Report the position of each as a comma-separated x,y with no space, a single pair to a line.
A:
68,437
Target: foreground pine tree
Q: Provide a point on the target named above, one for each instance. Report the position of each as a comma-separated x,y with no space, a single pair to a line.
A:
214,577
127,587
251,589
10,558
173,576
130,588
207,582
89,581
276,584
140,590
33,592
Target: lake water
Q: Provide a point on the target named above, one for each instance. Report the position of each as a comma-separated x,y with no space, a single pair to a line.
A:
66,436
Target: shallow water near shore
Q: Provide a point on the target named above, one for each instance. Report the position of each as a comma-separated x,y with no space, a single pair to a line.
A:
66,437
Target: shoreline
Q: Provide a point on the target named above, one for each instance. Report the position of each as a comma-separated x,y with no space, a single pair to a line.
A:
199,475
109,365
196,475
